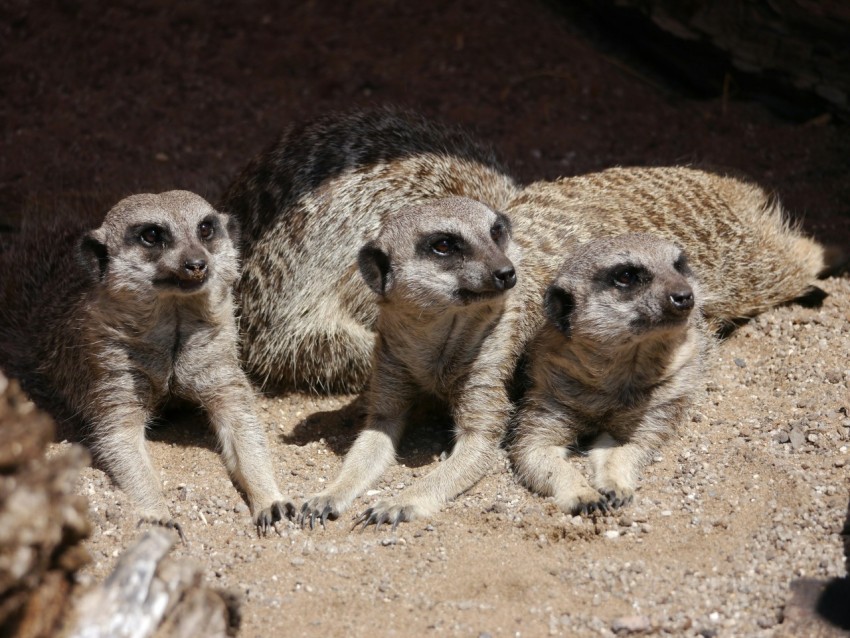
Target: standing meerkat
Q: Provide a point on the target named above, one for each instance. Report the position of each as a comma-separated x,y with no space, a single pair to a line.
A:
314,198
447,319
615,363
104,327
307,205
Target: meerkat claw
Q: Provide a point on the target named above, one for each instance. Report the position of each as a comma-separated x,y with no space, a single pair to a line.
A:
326,513
371,517
616,500
168,523
276,512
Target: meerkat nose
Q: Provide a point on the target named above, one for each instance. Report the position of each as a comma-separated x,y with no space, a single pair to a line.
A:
505,278
682,300
195,266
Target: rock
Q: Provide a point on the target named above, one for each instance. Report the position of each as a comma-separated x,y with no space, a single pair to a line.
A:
797,438
631,624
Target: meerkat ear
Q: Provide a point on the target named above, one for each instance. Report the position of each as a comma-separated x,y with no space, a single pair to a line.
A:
559,305
93,255
375,268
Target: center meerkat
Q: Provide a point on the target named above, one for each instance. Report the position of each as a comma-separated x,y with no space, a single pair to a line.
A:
103,327
443,273
616,363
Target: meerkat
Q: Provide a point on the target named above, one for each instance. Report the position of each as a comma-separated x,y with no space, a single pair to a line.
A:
103,327
616,362
738,237
323,189
306,206
443,273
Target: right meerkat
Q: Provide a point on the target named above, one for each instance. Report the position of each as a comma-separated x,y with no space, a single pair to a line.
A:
310,201
614,366
103,326
738,237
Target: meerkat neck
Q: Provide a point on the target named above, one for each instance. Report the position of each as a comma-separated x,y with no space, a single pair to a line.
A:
640,363
434,348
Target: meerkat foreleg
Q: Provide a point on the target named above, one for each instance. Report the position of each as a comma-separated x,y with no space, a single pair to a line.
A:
617,465
477,433
120,446
244,450
541,460
472,455
371,454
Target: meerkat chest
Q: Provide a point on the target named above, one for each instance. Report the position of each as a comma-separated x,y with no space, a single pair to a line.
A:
439,356
176,351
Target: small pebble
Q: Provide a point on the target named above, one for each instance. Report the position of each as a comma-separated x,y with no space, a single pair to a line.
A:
631,624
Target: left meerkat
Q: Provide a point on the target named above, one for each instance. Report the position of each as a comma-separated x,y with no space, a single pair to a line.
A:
614,367
103,327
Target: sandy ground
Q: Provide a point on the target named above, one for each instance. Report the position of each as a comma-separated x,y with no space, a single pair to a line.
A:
750,498
99,101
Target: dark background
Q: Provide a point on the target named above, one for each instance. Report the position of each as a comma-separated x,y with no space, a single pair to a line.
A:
99,100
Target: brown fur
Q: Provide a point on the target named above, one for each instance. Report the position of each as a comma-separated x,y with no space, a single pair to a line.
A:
314,198
737,236
617,361
103,327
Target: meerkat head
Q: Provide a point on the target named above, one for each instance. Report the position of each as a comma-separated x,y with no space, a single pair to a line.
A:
449,252
622,289
172,243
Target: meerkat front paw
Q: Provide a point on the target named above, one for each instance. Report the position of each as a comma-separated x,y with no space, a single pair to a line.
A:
277,511
391,513
583,502
162,521
617,496
320,508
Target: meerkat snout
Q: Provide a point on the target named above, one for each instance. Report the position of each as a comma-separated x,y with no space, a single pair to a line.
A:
194,269
505,278
682,301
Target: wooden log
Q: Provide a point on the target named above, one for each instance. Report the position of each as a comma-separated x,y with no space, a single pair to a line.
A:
147,594
42,520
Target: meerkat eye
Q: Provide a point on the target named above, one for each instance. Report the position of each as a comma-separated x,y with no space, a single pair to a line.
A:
442,246
681,265
626,277
151,236
206,230
497,232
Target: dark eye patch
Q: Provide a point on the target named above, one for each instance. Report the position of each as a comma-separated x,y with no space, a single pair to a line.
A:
629,275
441,244
501,228
151,235
148,234
682,266
497,232
206,229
